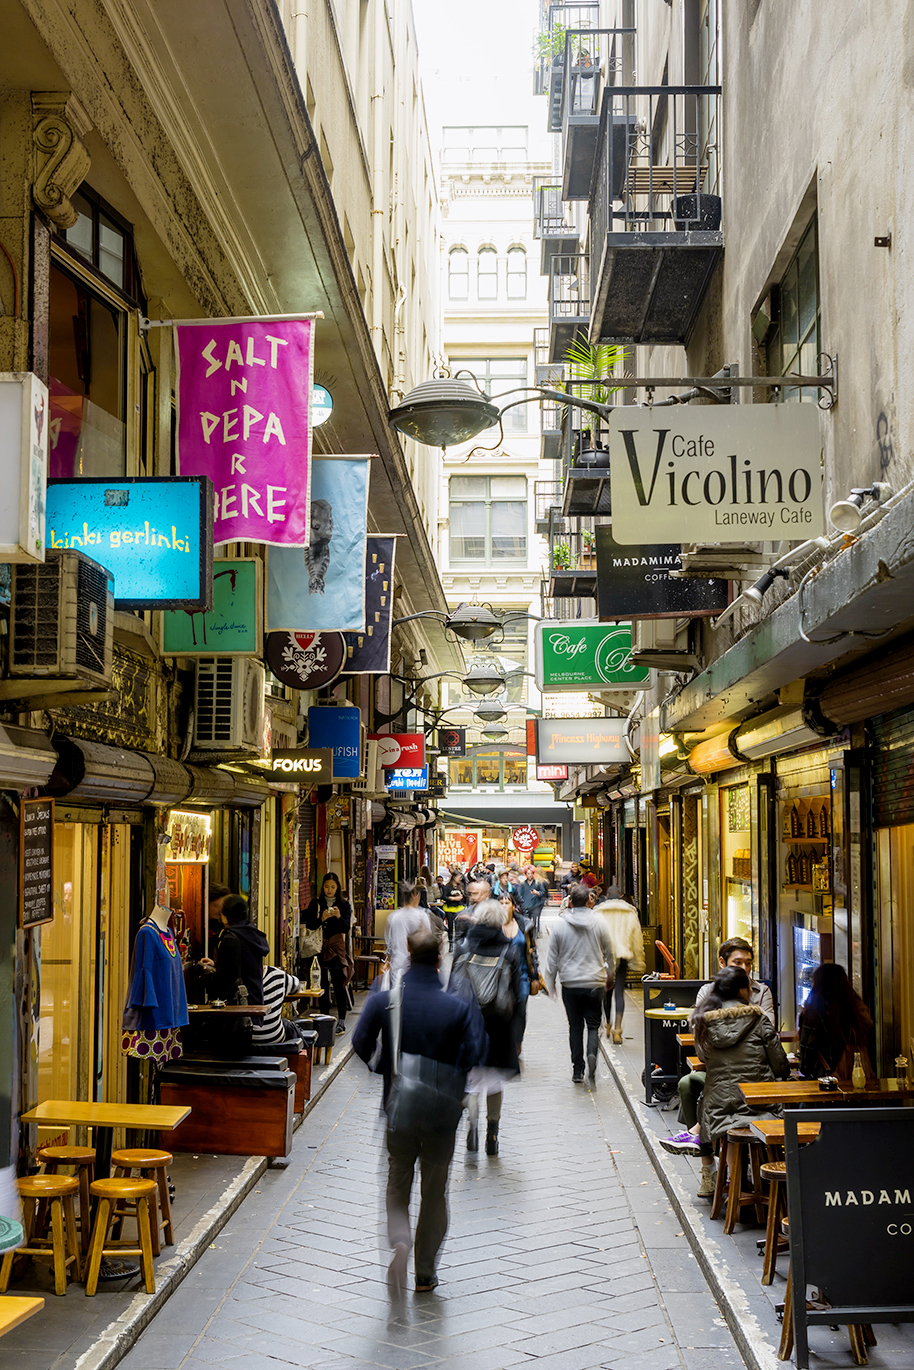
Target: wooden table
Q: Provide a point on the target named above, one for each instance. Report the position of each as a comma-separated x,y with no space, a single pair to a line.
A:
673,1014
14,1309
771,1093
304,994
771,1131
249,1010
104,1118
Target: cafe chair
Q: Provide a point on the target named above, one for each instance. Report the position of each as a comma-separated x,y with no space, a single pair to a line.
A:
111,1193
738,1146
775,1172
61,1248
152,1165
82,1160
860,1333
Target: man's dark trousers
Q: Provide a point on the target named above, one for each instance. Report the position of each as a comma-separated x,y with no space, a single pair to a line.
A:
584,1008
433,1151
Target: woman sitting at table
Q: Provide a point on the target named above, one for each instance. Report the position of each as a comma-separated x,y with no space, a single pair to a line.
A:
331,913
736,1041
834,1024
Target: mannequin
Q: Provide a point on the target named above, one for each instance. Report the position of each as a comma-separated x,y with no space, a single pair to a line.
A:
156,1007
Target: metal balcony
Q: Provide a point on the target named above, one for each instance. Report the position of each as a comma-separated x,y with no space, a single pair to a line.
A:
547,503
569,302
655,212
550,222
594,60
550,72
552,375
572,565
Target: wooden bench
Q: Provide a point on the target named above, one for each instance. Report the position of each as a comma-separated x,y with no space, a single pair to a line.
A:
662,180
15,1308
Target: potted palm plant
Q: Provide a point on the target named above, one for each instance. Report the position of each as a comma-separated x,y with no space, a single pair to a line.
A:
561,557
592,362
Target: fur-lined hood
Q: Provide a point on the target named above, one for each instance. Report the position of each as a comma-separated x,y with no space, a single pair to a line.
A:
727,1027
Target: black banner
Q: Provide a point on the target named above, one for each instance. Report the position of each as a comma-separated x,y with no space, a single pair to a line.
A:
634,582
369,652
452,741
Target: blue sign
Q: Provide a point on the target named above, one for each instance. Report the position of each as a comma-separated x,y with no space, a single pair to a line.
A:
154,534
340,729
408,778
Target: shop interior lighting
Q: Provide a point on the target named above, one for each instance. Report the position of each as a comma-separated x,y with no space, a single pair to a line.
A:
668,745
847,515
716,754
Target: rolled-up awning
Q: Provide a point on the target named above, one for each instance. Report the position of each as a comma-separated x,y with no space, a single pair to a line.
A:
173,782
250,792
210,786
91,770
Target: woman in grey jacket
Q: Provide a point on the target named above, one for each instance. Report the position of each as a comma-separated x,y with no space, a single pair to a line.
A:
736,1041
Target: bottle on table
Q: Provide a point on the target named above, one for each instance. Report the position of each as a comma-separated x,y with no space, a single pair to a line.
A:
315,974
858,1074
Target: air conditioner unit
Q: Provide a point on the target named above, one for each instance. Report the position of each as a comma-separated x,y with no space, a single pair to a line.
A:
228,703
61,621
662,644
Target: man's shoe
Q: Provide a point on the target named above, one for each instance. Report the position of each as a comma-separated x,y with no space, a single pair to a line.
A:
340,1027
708,1181
396,1271
578,1077
681,1144
472,1139
426,1283
591,1072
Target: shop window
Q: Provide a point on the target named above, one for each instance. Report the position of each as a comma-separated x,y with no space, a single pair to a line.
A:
517,273
488,519
491,768
794,338
487,274
499,376
736,862
458,274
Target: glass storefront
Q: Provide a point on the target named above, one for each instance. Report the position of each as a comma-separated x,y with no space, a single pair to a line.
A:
736,863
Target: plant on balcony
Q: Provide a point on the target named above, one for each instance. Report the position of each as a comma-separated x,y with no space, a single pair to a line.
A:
561,557
588,559
589,538
592,362
550,43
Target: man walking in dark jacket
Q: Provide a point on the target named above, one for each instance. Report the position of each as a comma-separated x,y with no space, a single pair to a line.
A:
438,1027
530,894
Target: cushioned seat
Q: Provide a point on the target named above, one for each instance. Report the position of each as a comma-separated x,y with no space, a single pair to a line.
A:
235,1110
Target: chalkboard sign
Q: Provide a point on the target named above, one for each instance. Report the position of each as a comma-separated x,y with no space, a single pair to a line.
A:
36,844
387,877
850,1197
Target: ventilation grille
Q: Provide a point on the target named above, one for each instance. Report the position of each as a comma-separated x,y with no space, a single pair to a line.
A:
215,701
35,621
91,616
62,619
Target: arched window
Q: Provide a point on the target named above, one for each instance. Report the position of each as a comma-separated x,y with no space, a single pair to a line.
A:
517,273
458,274
487,274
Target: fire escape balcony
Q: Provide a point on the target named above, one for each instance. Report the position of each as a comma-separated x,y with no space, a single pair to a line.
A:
552,375
550,222
572,564
569,302
594,65
550,73
655,212
547,502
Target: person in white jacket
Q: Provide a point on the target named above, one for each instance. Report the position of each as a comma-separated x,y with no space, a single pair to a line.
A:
624,927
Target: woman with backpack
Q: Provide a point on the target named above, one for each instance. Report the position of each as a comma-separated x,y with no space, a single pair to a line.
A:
492,966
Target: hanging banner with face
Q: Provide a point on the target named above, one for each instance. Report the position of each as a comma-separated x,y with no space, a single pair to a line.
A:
368,652
321,588
244,389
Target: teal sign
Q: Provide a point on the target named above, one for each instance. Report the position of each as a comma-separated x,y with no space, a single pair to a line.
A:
234,625
586,656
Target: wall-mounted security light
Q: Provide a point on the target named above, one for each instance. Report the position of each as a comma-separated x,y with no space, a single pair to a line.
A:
756,593
846,515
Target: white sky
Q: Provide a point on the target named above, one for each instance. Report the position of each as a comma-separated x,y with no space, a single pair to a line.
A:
476,63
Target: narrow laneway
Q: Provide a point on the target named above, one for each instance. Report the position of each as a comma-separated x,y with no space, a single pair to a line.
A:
563,1251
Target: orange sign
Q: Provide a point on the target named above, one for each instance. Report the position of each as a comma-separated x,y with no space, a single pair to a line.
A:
459,849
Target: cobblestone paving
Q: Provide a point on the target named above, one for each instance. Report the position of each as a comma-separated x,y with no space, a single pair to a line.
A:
562,1252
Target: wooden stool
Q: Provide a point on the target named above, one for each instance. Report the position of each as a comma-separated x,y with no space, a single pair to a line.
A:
109,1194
775,1172
151,1163
738,1139
82,1159
860,1333
57,1192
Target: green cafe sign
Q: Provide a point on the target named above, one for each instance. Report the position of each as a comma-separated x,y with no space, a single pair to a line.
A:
586,656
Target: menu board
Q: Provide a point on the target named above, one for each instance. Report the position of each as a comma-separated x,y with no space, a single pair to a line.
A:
36,886
386,859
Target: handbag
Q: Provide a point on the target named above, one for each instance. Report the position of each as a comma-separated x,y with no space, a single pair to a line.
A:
310,942
423,1093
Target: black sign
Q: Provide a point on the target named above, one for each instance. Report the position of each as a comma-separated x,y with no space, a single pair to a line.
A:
850,1198
368,652
36,883
437,787
311,765
452,741
634,582
305,661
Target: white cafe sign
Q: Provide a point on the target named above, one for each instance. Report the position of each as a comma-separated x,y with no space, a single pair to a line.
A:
718,473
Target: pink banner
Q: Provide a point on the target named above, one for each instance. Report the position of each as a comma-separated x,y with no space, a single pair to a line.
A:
244,393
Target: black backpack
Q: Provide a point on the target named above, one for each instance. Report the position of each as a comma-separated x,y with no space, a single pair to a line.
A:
490,977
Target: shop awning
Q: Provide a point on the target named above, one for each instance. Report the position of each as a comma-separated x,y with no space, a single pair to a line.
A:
91,770
26,758
172,780
866,589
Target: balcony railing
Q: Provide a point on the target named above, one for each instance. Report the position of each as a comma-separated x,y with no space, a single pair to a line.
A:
547,504
569,301
549,75
572,564
595,59
655,211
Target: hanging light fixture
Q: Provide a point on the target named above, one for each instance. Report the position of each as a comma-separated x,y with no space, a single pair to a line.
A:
484,680
443,413
490,713
494,732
